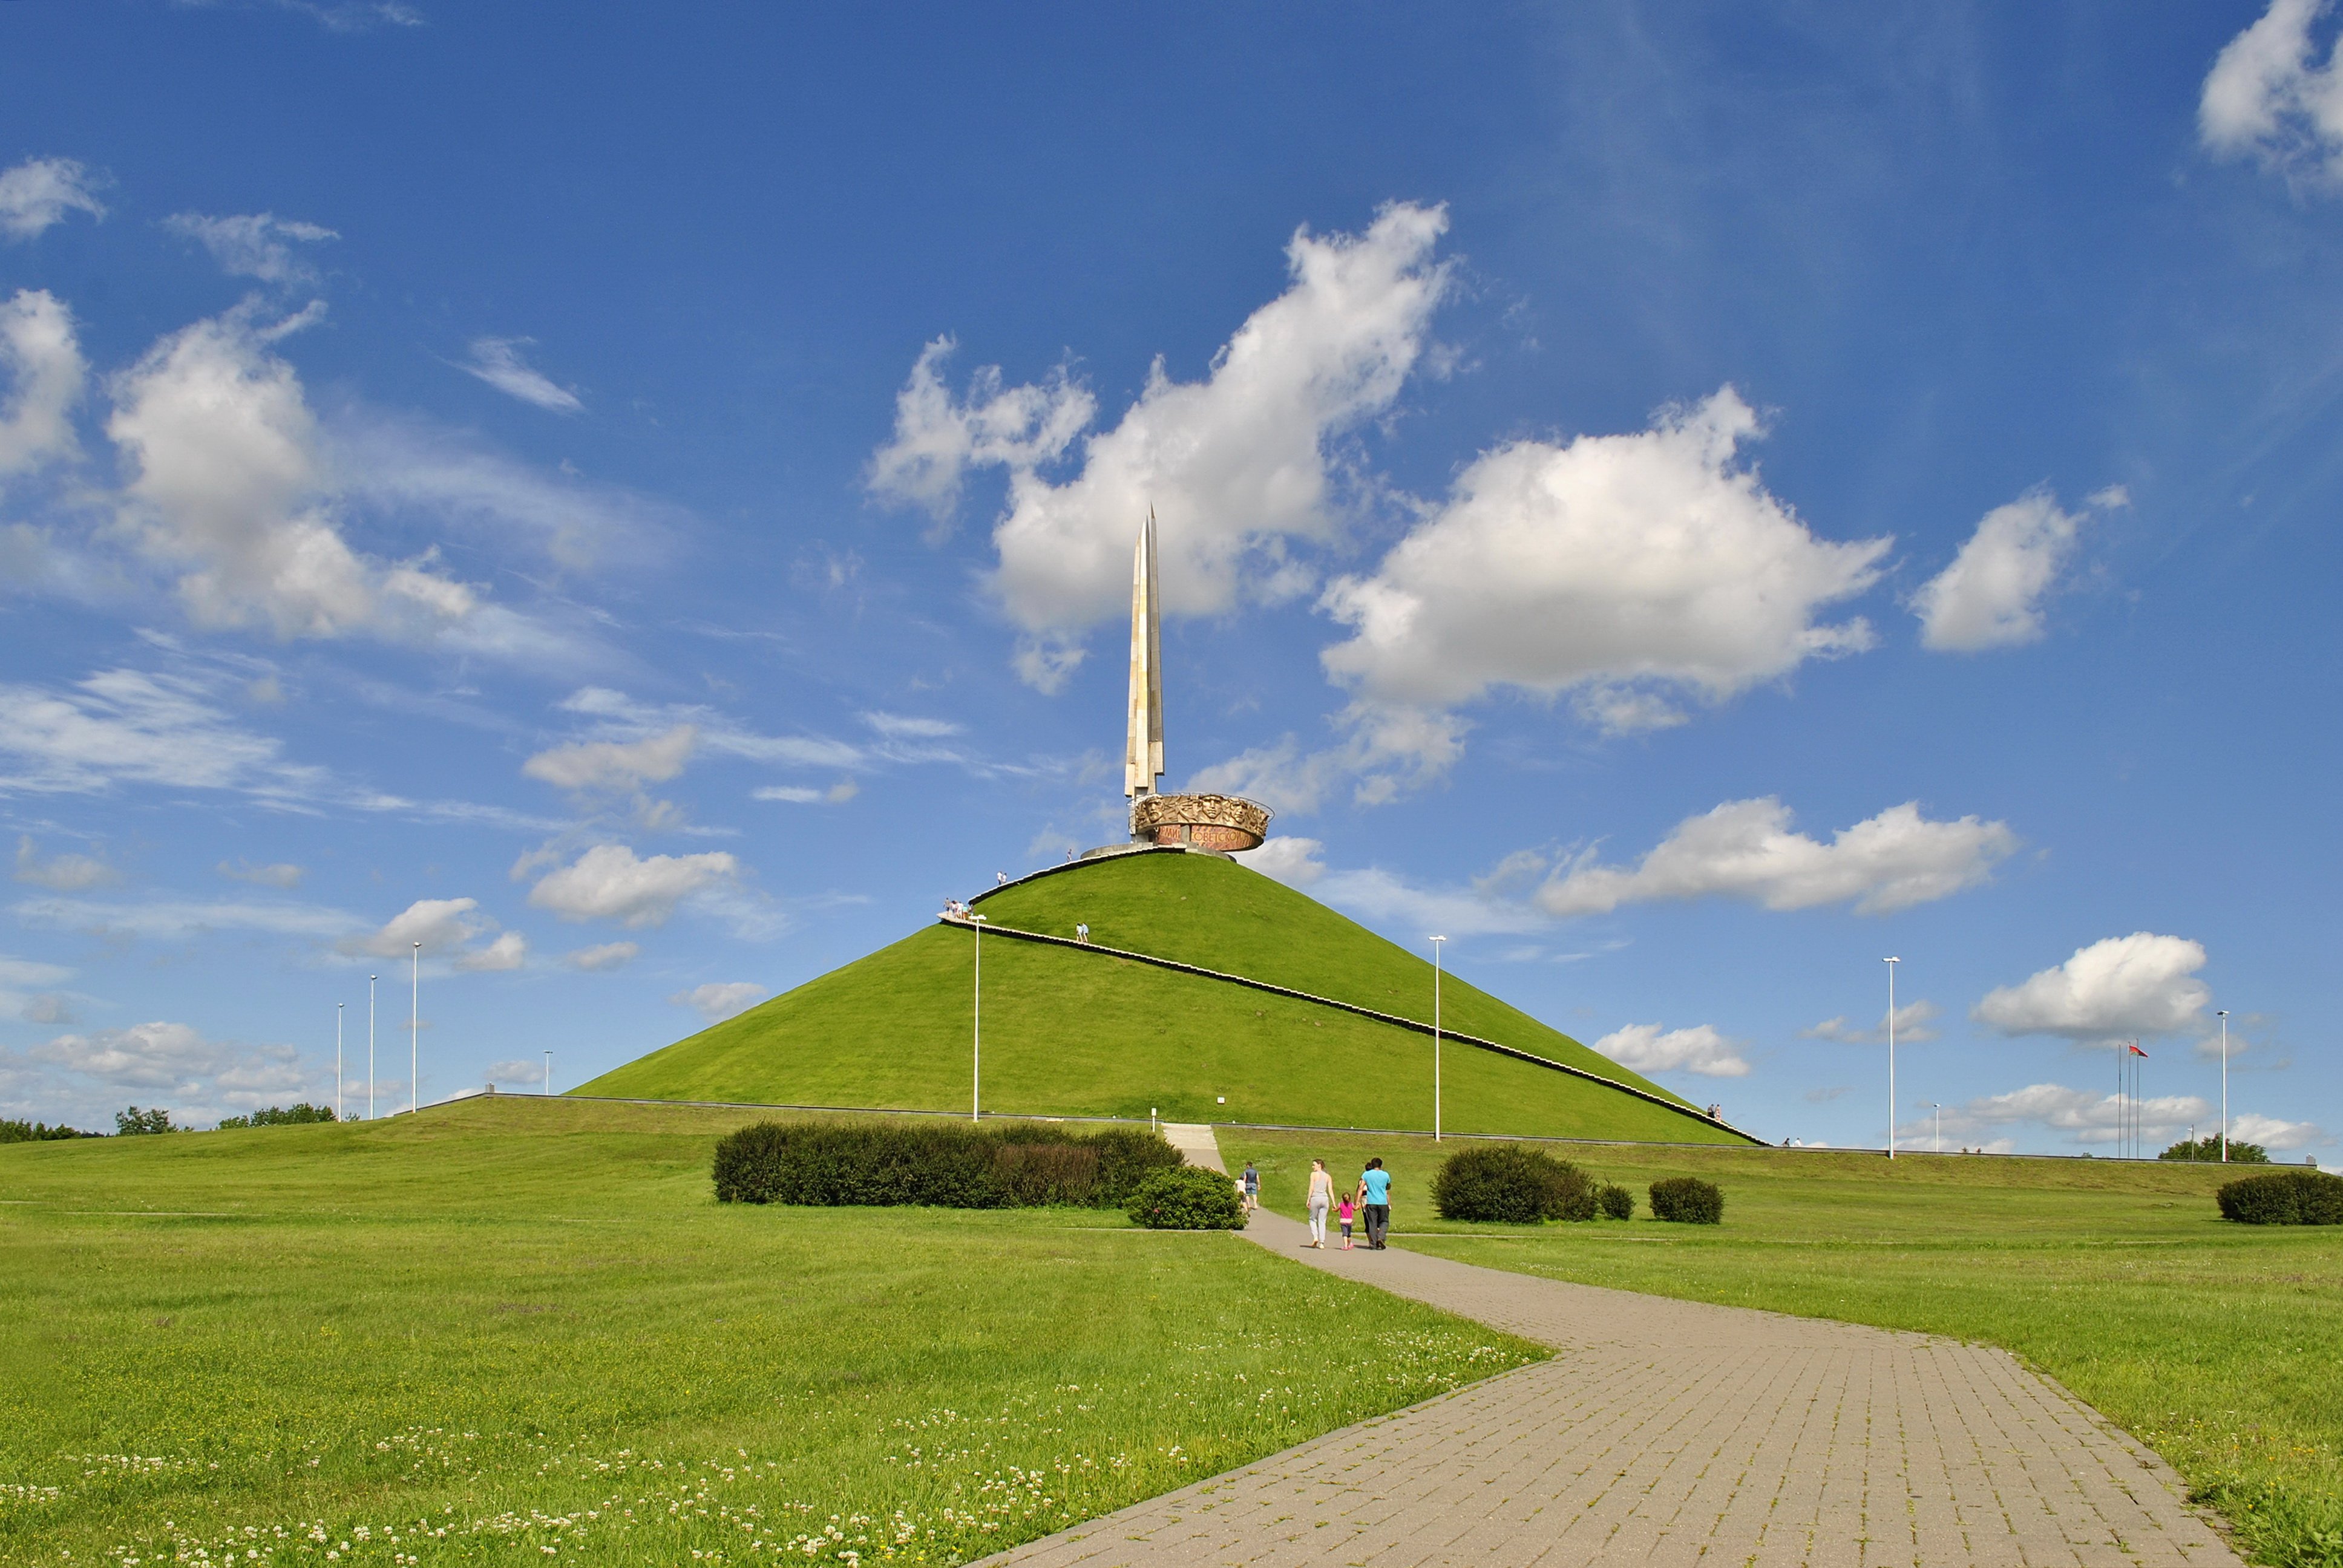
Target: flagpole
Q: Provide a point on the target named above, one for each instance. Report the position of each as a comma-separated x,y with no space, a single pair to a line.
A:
338,1062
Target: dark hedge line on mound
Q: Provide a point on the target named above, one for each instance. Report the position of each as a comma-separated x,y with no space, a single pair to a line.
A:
2284,1198
946,1165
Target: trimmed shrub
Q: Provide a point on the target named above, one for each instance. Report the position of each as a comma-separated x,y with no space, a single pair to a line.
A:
1615,1201
943,1164
1688,1201
280,1116
2208,1150
1508,1184
2284,1198
12,1131
1188,1198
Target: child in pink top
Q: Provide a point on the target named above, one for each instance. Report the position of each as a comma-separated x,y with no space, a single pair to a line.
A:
1344,1212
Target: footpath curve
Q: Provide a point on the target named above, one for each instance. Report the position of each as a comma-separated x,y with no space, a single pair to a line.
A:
1674,1433
1395,1019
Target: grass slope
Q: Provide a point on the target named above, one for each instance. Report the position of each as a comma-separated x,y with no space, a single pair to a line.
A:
2212,1343
1071,1033
516,1327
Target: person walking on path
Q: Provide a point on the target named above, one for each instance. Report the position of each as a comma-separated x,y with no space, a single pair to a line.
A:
1344,1213
1321,1198
1375,1197
1252,1187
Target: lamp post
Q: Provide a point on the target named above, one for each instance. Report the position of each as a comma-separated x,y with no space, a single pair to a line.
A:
2225,1085
369,1047
549,1073
1435,1037
338,1062
976,1015
1891,1055
1940,1125
415,1036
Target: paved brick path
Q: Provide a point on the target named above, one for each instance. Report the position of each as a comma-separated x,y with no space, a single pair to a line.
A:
1672,1432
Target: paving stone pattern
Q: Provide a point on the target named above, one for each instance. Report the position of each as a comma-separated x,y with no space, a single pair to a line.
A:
1672,1432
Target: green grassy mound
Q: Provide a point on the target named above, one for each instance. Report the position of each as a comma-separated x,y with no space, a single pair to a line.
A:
1071,1033
522,1330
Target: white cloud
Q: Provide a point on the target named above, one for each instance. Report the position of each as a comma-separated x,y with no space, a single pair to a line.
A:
1235,465
1745,849
1622,569
1382,751
254,244
1293,860
515,1071
44,375
2269,96
229,484
608,882
282,874
1991,595
437,923
615,765
2088,1116
1914,1025
897,727
62,873
498,361
39,192
1645,1049
165,1062
622,717
838,794
2271,1132
717,1000
170,919
19,976
2141,984
1377,895
508,952
603,956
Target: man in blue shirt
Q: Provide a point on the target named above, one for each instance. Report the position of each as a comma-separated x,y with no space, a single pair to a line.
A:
1374,1198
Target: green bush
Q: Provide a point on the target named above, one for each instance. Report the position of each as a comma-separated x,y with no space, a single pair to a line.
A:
135,1122
1189,1198
1688,1201
37,1132
280,1116
2208,1150
1509,1185
1615,1201
2284,1198
942,1165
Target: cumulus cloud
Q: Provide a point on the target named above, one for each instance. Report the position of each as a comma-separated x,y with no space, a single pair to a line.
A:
498,361
1290,859
1382,751
2142,984
254,244
1623,569
229,486
280,874
1645,1048
609,882
603,956
595,765
1991,595
174,1062
1747,849
438,924
64,873
508,952
43,372
717,1000
2269,95
2271,1132
40,192
1235,465
2093,1117
1914,1025
515,1071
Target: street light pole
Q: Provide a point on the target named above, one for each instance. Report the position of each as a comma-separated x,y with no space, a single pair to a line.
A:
2225,1085
1435,1037
415,1037
549,1073
975,1014
1891,1055
338,1062
1940,1126
370,1048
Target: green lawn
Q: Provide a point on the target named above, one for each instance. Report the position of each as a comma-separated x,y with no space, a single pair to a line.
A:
516,1327
2219,1345
1069,1033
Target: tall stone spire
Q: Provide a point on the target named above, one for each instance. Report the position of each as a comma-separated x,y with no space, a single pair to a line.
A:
1142,755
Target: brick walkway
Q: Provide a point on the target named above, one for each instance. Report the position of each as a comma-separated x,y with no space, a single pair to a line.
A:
1672,1432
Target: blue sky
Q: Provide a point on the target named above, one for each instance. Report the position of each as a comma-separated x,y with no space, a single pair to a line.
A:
1685,503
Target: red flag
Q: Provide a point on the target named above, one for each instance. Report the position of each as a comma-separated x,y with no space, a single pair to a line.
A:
2136,1050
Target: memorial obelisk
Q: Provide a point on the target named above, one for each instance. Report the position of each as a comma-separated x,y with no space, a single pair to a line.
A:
1219,823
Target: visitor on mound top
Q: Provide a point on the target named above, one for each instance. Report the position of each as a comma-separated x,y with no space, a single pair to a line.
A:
1375,1199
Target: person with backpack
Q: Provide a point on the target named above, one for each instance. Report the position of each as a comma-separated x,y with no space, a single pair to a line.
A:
1374,1203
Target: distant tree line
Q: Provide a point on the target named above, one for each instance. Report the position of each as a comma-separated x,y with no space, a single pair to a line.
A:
2209,1149
135,1122
38,1132
280,1116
